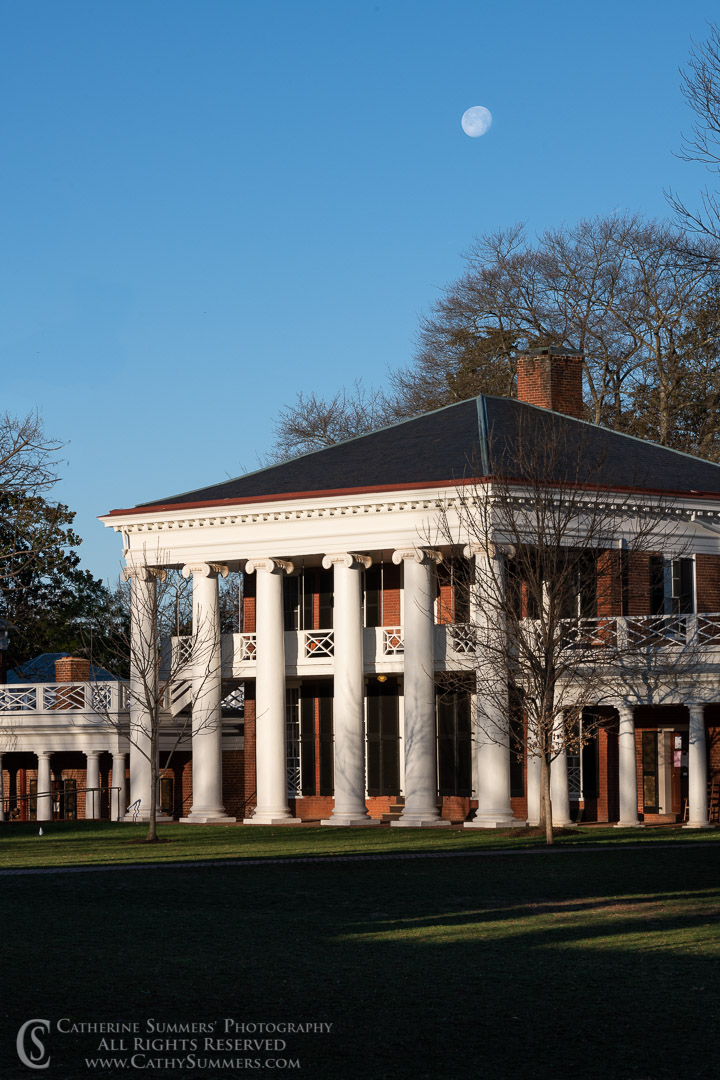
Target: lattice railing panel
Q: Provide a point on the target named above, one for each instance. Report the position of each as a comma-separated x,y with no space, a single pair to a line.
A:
248,646
708,630
656,631
101,697
393,640
319,643
64,696
463,638
18,699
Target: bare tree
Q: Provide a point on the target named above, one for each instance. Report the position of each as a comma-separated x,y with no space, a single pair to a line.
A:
556,552
701,90
314,423
615,287
170,670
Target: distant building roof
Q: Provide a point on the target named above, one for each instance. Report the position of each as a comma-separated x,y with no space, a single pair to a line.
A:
477,438
42,669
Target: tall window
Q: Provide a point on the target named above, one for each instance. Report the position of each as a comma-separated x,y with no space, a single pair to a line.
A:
454,743
582,761
316,738
383,738
308,600
672,586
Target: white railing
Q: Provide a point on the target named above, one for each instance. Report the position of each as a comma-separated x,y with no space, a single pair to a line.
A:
247,646
392,640
318,643
638,632
463,638
98,698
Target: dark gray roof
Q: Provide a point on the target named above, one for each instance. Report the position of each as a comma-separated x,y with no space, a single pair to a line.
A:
476,438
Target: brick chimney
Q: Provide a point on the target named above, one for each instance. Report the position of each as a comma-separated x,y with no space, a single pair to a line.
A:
551,377
72,669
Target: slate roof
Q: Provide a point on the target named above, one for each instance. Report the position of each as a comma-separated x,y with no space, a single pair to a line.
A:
477,438
41,669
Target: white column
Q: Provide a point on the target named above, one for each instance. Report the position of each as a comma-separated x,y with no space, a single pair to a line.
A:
2,791
493,720
533,770
270,739
348,691
118,801
559,789
143,685
421,808
697,771
44,788
206,665
92,785
627,769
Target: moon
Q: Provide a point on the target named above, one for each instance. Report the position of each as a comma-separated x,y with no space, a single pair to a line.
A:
476,121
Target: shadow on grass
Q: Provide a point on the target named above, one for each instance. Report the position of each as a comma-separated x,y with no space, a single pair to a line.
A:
601,965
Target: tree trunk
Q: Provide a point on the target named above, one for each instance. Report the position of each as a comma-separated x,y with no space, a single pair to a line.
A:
545,802
152,824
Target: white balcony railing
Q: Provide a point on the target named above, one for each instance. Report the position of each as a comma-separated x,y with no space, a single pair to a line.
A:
97,698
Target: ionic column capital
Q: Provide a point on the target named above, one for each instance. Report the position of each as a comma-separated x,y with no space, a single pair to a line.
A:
205,569
144,573
416,554
43,753
490,549
92,753
270,566
348,559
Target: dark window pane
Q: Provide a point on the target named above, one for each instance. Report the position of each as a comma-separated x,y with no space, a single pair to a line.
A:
325,591
290,603
372,596
657,585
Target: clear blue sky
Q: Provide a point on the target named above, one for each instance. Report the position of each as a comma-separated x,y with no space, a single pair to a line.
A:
209,205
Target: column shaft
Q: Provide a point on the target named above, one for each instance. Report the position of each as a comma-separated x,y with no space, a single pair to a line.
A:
44,787
493,720
206,674
118,801
92,786
270,736
348,692
143,688
697,770
420,739
559,789
627,768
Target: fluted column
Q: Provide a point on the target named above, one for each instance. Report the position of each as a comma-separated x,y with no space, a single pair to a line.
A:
92,785
348,690
44,787
493,722
533,770
627,769
559,788
118,801
270,739
421,808
697,770
206,674
143,685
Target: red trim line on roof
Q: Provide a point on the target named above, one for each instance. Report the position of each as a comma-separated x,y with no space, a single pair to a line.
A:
391,487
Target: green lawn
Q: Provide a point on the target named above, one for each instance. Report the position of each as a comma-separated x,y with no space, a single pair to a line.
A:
599,964
97,843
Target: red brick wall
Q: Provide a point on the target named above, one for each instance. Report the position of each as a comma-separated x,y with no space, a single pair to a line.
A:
638,583
707,575
553,382
609,584
248,604
249,792
391,595
72,669
233,778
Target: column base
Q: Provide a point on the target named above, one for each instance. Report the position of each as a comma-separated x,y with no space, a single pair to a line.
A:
200,818
495,823
564,824
700,825
352,820
271,819
420,821
629,824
